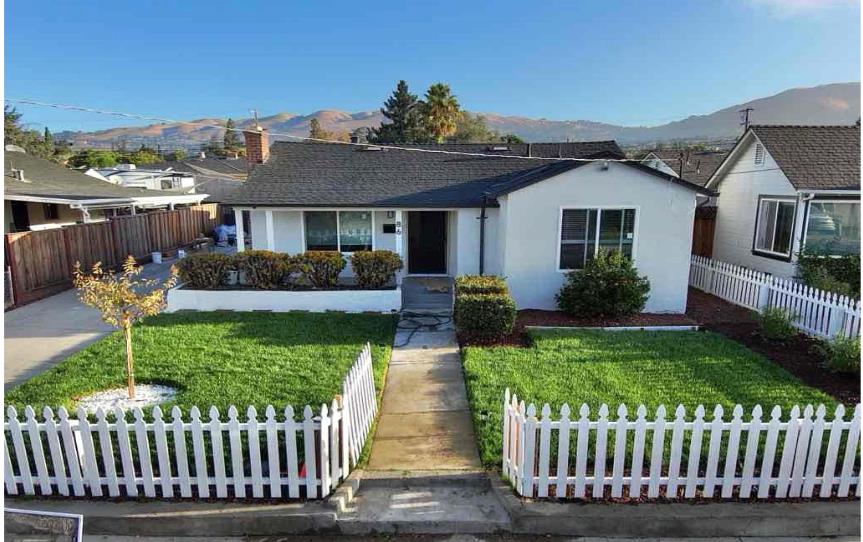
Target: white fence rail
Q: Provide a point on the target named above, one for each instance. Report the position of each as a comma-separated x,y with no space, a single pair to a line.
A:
680,458
192,458
815,312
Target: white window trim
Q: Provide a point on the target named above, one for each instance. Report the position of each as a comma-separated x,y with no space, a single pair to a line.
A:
338,225
809,214
755,248
600,208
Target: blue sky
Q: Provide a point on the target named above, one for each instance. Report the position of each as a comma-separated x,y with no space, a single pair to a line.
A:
626,62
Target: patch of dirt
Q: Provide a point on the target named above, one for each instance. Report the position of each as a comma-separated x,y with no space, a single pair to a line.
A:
799,356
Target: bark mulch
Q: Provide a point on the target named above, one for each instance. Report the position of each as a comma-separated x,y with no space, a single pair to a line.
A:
799,356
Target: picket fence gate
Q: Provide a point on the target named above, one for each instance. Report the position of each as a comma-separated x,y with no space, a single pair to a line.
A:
765,459
815,312
289,458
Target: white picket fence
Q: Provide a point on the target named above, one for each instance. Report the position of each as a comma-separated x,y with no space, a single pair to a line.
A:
765,459
186,458
815,312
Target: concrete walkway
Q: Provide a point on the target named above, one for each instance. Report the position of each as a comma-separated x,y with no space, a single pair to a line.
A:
45,332
425,423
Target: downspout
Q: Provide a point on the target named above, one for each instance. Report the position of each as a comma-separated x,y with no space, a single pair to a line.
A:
482,219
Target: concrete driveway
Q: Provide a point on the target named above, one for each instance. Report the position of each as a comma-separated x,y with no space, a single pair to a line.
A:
44,333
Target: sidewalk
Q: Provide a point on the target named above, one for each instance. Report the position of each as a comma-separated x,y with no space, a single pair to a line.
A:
45,332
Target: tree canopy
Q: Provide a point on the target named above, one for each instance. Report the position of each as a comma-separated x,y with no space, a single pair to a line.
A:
35,143
231,140
405,126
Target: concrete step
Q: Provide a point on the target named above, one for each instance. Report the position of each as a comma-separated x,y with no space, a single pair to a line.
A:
425,502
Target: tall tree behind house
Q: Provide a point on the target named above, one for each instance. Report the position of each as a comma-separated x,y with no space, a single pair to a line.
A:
402,110
441,112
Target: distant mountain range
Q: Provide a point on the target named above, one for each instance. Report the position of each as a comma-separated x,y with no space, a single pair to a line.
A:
837,103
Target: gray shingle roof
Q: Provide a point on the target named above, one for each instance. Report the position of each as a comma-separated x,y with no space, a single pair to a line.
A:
700,166
329,174
43,178
815,157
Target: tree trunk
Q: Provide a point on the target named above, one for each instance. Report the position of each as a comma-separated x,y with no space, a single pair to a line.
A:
130,367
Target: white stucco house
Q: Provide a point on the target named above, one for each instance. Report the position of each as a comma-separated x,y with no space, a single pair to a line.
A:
530,221
784,189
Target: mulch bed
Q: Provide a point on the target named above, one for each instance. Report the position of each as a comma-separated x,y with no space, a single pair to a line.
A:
799,356
532,317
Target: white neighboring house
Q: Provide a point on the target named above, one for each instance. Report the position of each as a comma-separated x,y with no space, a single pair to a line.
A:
130,176
39,194
783,189
531,221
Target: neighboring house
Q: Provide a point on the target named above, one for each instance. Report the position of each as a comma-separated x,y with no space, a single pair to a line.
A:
149,178
542,218
697,166
40,194
783,189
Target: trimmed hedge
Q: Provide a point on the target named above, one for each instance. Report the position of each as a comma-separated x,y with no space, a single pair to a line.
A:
205,271
483,311
376,268
480,284
322,267
262,268
484,317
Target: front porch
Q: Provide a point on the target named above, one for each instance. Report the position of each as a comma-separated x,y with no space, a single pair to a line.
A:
431,242
433,295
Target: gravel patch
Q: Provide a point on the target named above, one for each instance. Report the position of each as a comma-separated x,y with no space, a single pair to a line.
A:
146,395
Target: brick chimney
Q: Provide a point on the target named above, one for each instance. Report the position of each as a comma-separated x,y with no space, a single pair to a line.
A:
257,146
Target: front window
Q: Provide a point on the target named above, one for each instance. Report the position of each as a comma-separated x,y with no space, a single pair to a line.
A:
774,227
343,231
833,228
584,232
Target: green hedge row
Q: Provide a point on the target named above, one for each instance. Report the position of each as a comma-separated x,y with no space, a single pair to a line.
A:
268,270
484,311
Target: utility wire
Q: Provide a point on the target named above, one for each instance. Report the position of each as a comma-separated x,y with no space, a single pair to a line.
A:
24,101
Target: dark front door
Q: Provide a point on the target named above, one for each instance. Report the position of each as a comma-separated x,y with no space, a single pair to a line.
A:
427,242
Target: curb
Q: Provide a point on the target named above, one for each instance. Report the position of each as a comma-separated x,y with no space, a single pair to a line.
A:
680,520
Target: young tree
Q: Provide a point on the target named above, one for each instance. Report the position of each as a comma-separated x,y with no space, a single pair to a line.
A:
316,131
231,139
123,299
405,119
441,112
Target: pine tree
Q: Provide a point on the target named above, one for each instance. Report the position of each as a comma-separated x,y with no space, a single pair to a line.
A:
231,139
402,110
317,132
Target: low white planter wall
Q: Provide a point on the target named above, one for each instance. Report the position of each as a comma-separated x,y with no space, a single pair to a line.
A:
285,300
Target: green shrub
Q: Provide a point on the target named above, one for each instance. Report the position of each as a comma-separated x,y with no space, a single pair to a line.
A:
833,274
205,271
842,354
777,324
262,268
476,284
608,286
484,317
322,267
375,268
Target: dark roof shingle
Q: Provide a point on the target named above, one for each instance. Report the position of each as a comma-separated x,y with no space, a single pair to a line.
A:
698,168
815,157
43,178
329,174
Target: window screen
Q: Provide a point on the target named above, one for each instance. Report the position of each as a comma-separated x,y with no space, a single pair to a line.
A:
833,228
355,231
585,231
775,226
321,230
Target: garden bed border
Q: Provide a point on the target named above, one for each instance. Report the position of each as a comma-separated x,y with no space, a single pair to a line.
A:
359,300
617,328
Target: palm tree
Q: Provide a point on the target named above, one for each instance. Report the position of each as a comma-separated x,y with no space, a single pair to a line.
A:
441,111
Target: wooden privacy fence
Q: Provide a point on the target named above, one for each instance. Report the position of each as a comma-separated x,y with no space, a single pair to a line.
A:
680,458
111,455
813,311
41,262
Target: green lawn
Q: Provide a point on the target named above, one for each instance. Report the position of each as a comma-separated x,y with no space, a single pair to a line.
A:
630,367
223,359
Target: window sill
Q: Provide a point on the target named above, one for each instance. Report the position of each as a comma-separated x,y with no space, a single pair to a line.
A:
772,256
